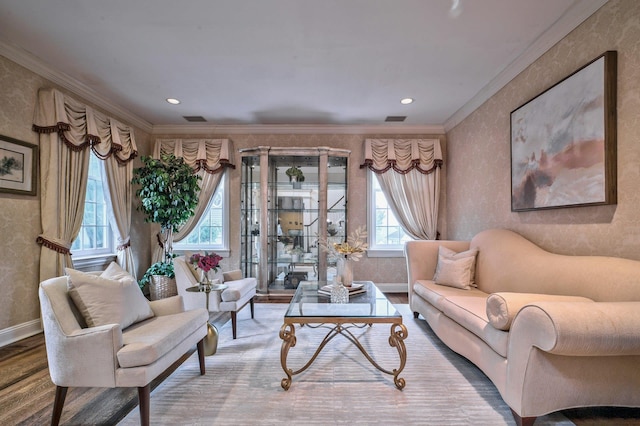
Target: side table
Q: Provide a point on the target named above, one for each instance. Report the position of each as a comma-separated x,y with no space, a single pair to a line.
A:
211,339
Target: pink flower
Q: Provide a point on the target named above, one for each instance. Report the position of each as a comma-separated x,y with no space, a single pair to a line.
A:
206,262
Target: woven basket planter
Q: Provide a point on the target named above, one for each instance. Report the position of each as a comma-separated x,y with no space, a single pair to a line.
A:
161,286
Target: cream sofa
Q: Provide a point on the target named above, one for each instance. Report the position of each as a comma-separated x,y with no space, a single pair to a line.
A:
551,331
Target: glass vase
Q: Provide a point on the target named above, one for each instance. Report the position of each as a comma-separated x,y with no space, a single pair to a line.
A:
339,293
345,270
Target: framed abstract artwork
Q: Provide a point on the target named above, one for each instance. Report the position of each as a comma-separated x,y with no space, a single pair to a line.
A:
563,141
18,166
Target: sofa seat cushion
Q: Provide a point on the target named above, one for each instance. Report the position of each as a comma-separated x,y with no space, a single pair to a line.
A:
148,341
467,308
237,289
502,307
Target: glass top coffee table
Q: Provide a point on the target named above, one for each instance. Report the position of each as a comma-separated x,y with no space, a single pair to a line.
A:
316,310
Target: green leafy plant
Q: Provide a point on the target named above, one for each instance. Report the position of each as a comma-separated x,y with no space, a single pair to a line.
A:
295,172
168,195
158,268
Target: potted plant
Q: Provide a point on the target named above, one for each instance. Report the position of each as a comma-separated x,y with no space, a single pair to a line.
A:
168,195
295,174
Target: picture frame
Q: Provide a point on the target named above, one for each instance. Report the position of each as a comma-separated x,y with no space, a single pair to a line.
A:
18,166
563,142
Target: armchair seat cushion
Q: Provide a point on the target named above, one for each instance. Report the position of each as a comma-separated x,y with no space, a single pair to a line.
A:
237,289
147,341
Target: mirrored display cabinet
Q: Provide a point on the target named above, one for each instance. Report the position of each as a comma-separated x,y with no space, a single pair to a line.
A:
292,199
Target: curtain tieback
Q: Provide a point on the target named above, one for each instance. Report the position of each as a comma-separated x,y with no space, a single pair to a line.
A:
125,245
55,244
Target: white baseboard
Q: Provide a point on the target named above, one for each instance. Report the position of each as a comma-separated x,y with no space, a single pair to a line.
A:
19,332
392,287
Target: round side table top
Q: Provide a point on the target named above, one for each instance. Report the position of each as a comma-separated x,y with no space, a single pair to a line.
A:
205,288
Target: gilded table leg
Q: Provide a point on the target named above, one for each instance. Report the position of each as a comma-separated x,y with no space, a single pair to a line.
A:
288,336
396,339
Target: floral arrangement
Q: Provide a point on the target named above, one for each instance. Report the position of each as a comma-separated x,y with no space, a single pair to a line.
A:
353,248
206,262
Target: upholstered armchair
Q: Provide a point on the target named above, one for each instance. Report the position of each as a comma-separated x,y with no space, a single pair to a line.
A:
104,353
239,292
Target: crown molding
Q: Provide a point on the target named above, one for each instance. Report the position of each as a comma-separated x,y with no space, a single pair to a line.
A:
574,16
192,129
36,65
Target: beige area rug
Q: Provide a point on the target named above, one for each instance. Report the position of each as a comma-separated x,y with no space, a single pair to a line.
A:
242,384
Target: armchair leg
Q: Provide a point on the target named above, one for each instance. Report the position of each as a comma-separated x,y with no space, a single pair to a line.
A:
144,397
234,317
201,356
58,403
523,421
251,306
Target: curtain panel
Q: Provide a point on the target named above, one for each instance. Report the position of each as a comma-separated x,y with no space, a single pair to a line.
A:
408,171
208,158
67,128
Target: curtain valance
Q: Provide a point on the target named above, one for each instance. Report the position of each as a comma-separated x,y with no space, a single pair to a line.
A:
80,126
402,155
210,155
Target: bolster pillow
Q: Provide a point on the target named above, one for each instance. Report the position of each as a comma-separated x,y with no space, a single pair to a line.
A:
502,307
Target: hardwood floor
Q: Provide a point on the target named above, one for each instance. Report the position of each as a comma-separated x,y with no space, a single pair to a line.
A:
26,391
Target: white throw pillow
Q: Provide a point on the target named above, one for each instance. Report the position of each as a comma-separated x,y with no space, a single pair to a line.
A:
454,272
450,254
114,297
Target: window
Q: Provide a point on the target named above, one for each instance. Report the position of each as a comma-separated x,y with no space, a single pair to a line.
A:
95,237
386,236
211,231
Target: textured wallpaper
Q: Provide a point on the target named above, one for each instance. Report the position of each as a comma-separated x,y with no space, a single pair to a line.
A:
19,214
478,171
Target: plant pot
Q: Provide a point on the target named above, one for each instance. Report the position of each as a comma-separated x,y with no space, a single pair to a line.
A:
161,286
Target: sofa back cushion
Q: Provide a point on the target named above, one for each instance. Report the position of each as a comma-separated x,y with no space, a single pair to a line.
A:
113,297
508,262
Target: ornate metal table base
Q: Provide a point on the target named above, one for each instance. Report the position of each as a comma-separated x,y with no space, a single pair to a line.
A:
396,339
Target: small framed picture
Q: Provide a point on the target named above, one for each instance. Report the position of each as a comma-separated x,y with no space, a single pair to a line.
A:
18,166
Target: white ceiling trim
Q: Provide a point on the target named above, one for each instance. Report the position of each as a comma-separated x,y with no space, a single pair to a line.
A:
36,65
573,17
191,129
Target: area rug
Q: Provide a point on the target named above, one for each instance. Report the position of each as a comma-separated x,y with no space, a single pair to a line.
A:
242,383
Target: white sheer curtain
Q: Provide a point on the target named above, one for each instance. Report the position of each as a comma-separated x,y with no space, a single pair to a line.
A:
408,171
209,158
67,128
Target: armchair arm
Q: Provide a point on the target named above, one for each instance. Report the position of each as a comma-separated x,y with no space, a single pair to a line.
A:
168,306
578,328
84,358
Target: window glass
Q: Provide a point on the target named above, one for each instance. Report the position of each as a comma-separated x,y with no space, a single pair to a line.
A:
385,230
210,233
95,237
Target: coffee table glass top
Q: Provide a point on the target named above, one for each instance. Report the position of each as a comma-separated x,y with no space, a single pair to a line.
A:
372,304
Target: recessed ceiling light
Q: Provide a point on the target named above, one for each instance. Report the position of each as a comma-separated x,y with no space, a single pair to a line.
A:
406,101
173,101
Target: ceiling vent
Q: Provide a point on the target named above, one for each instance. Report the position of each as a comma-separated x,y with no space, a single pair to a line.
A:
395,118
194,118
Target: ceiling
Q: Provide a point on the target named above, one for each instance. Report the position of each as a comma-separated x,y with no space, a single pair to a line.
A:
285,62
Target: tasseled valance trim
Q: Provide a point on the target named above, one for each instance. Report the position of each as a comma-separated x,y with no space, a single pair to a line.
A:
391,164
202,165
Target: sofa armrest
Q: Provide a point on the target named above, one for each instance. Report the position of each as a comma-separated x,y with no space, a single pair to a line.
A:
168,306
85,350
578,328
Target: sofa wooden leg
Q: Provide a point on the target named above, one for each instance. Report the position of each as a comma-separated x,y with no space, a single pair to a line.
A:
234,317
251,306
58,403
416,314
523,421
144,397
200,347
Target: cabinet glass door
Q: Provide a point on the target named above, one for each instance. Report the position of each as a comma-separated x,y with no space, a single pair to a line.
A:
289,203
